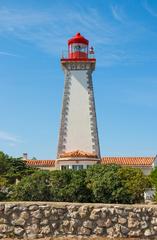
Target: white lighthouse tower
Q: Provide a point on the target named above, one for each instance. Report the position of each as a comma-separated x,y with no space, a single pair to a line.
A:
78,145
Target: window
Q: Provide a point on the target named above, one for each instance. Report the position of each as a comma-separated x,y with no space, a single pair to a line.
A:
64,167
78,48
77,167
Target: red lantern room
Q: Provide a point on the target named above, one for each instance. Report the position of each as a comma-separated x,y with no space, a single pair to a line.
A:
78,50
78,47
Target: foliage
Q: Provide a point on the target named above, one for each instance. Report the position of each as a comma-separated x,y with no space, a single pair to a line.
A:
69,185
33,188
3,189
114,184
153,179
99,183
13,168
102,181
133,185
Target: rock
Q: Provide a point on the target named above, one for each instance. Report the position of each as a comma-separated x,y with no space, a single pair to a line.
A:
24,215
4,228
133,223
88,224
45,230
18,230
33,207
114,219
18,222
110,232
144,224
73,214
83,211
96,214
124,230
154,221
135,233
155,228
8,208
122,220
137,210
44,222
54,214
98,231
35,220
108,223
14,215
36,214
148,232
2,207
120,211
30,236
3,220
84,231
101,223
65,223
74,224
111,211
33,229
54,225
47,213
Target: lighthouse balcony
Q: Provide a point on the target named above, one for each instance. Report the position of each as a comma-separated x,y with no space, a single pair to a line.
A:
77,57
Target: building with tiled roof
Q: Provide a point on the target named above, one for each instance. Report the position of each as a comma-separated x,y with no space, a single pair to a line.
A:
144,163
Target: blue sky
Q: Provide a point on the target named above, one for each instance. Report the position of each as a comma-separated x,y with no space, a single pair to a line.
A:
32,36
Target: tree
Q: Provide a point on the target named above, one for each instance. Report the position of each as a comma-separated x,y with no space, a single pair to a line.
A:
4,163
13,168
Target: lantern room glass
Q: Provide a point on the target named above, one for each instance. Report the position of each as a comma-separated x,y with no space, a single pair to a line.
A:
78,50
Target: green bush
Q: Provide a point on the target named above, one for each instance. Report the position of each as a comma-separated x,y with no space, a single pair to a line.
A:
99,183
33,188
114,184
153,179
3,189
13,168
70,186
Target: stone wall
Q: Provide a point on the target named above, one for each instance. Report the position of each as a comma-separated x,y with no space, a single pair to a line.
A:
39,219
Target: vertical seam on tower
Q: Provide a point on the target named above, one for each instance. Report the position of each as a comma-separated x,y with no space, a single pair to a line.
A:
92,112
64,114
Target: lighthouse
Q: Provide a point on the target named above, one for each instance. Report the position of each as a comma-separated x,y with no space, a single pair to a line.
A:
78,145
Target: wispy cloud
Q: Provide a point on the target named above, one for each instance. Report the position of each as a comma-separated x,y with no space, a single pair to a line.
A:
8,54
118,13
12,139
45,29
149,9
49,28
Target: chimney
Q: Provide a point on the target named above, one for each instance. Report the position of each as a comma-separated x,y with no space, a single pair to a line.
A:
25,156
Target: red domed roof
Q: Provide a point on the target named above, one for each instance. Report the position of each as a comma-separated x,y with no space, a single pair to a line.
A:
78,38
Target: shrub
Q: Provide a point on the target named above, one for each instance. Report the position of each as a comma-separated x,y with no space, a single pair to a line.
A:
153,179
33,188
114,184
69,185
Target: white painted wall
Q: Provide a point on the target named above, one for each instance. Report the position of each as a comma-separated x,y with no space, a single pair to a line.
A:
79,131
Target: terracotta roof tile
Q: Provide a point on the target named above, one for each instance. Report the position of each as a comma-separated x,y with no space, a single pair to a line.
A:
129,161
40,163
78,153
124,161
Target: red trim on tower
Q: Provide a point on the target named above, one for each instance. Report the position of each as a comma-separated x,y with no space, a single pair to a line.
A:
78,38
78,60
